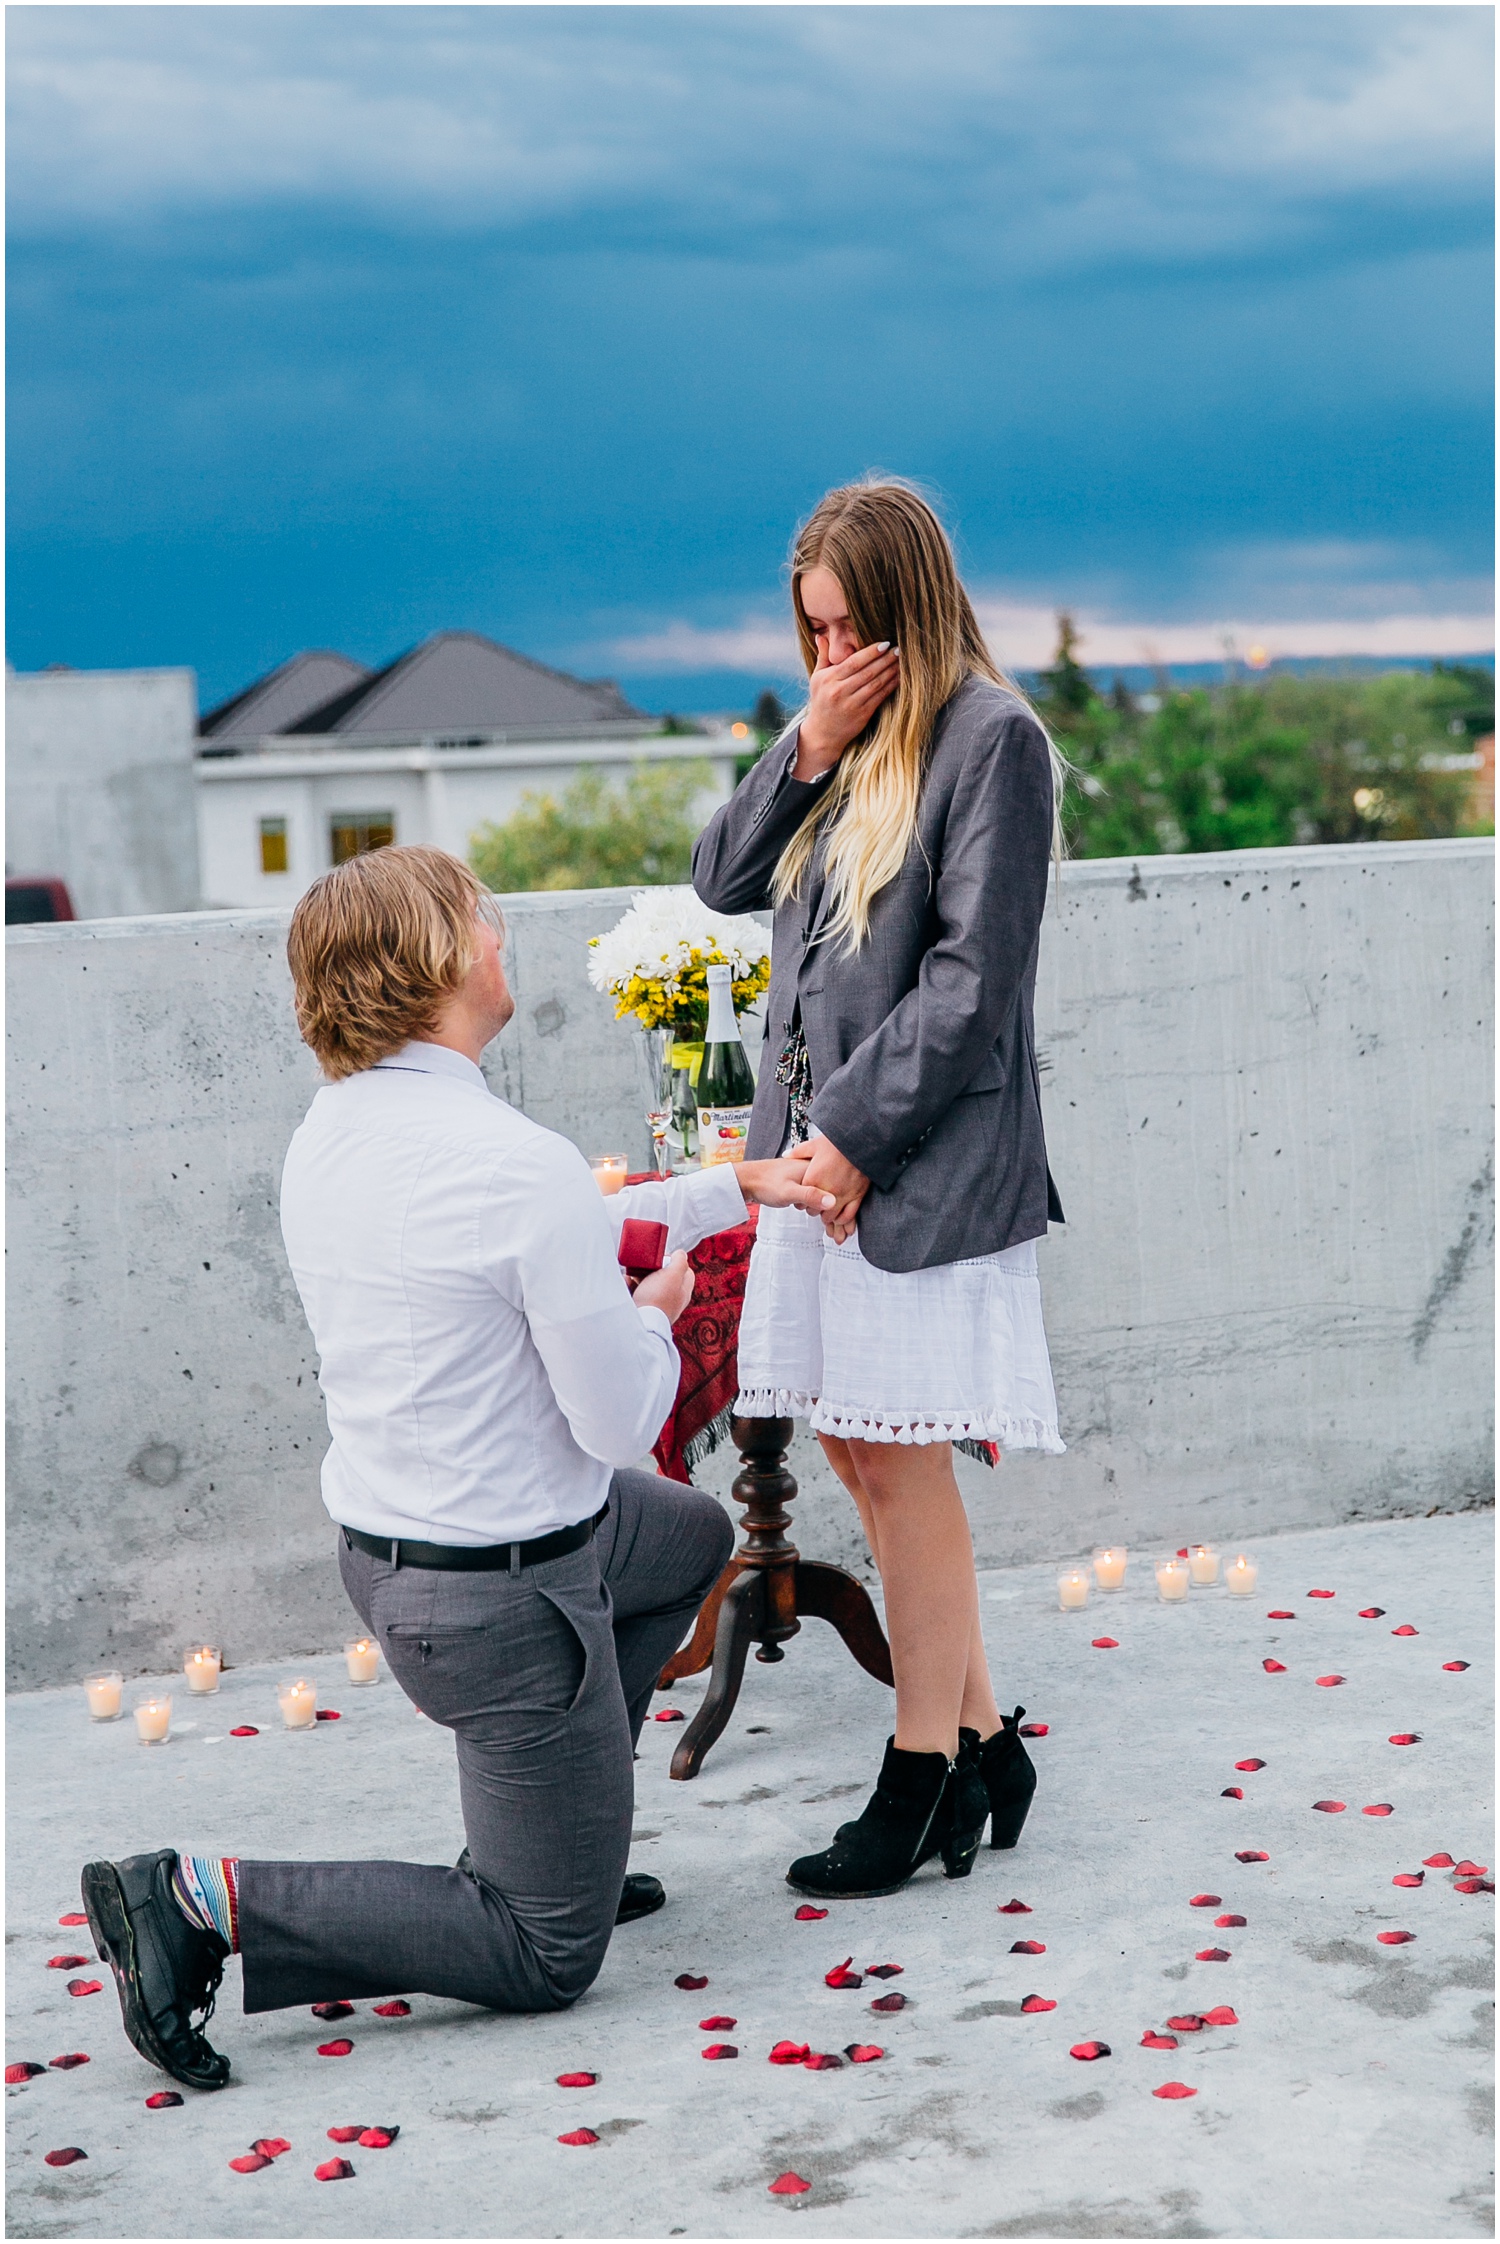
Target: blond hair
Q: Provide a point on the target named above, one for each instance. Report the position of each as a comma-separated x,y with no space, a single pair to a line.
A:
376,949
895,567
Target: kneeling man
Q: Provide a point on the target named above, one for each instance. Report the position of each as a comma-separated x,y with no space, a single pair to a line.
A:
489,1381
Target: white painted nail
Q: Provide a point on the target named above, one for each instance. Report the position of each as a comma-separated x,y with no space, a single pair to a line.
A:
883,646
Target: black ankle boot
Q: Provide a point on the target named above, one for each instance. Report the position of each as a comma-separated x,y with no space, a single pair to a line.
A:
1009,1777
924,1804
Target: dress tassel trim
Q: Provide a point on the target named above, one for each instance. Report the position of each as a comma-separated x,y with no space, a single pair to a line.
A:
964,1427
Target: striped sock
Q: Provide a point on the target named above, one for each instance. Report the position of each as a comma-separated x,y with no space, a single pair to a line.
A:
205,1888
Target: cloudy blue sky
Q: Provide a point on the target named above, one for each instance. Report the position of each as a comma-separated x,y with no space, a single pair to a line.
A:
336,326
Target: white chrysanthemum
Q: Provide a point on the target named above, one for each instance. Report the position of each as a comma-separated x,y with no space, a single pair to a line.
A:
658,935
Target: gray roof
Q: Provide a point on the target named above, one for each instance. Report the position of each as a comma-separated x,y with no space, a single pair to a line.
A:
458,683
275,702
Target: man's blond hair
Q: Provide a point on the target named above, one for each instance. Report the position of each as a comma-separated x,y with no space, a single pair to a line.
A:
377,947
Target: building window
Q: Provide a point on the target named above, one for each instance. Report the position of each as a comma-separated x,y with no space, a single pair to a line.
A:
273,857
351,833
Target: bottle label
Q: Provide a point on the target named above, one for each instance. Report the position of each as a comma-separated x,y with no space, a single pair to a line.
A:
722,1131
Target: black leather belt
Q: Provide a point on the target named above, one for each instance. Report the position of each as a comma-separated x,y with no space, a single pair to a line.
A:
483,1558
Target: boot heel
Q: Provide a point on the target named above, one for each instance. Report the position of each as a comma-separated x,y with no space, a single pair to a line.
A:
1006,1829
959,1853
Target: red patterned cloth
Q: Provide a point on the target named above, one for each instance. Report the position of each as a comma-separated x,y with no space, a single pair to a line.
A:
707,1336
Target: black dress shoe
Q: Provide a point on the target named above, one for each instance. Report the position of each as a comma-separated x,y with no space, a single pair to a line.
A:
164,1968
640,1898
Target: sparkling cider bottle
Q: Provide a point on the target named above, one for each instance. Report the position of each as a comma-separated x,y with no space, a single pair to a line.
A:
726,1088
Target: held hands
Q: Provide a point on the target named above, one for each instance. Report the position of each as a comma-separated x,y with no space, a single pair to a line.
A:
669,1289
783,1184
829,1172
842,697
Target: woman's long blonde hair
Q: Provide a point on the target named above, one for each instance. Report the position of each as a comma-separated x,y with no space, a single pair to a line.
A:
895,568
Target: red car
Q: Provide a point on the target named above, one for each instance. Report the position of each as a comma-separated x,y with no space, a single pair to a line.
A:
30,897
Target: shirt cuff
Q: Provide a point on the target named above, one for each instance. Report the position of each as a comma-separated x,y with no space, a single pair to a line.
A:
713,1202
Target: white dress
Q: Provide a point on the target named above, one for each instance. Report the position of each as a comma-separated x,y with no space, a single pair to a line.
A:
956,1353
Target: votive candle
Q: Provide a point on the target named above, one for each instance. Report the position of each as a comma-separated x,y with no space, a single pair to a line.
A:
1172,1579
1240,1578
362,1658
1203,1564
299,1704
153,1720
103,1695
1109,1567
1072,1589
610,1171
201,1667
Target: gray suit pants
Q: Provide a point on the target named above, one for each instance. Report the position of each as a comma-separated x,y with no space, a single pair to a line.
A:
544,1678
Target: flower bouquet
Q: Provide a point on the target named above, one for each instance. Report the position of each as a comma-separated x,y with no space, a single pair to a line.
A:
654,963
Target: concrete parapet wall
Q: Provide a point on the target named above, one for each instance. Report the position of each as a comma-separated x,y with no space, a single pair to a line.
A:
1267,1086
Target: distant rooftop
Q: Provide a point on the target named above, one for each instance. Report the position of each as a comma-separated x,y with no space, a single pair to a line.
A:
453,687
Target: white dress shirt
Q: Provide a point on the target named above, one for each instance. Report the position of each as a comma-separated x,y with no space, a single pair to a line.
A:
483,1364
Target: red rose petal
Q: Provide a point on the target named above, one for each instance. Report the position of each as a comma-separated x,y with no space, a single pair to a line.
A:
1222,2016
1182,1553
789,2053
842,1976
1394,1939
1330,1807
331,2170
1223,1924
1380,1807
74,1917
862,2052
1251,1854
1405,1629
690,1982
335,2048
1035,1729
1189,2023
1252,1763
271,2146
1473,1885
807,1915
823,2061
1273,1667
69,2157
1159,2041
1439,1862
252,2163
788,2185
1174,2090
1087,2051
69,2063
579,2136
715,2025
333,2010
393,2010
1212,1956
84,1986
1320,1593
1281,1616
578,2080
884,1971
1031,2004
670,1714
66,1963
344,2134
163,2100
721,2049
1407,1878
23,2071
1015,1909
379,2138
327,1714
1372,1612
1204,1901
245,1730
1467,1869
1327,1682
1106,1643
1231,1792
889,2002
1028,1947
1405,1737
1454,1667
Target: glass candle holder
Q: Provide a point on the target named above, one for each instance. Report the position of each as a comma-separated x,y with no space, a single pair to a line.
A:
362,1658
1172,1579
1203,1565
299,1704
1072,1589
201,1666
610,1171
103,1695
1241,1576
1109,1566
153,1719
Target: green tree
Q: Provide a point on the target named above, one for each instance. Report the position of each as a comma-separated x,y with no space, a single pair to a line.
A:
599,835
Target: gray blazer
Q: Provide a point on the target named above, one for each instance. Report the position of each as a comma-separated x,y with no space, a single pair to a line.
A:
922,1045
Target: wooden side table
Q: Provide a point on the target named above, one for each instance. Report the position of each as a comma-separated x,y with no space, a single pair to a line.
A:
763,1595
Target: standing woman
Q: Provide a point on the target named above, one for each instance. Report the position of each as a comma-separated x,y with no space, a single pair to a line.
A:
902,829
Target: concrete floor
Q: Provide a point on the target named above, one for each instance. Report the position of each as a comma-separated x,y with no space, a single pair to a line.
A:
1351,2100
